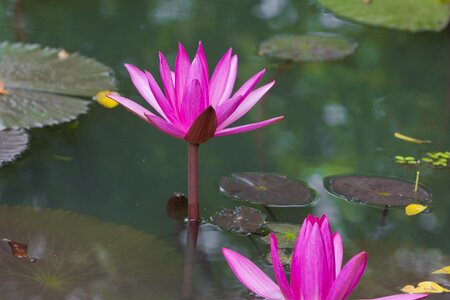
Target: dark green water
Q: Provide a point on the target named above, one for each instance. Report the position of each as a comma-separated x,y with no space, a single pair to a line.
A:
340,118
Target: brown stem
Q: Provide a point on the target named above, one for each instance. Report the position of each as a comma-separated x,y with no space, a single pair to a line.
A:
193,205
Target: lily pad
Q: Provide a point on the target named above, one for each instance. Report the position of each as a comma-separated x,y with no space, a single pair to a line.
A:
308,47
241,219
268,189
78,257
38,82
375,190
12,144
286,234
410,15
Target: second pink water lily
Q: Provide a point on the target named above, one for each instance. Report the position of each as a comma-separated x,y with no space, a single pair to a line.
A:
192,105
316,272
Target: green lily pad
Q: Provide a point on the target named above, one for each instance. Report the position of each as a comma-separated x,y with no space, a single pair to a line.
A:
78,257
376,190
12,144
410,15
268,189
308,47
39,81
286,234
241,219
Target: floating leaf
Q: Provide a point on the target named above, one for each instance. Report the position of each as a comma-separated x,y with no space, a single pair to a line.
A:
286,234
437,160
78,257
241,219
308,47
428,287
12,143
410,139
444,270
414,209
38,83
411,15
177,207
406,160
375,190
268,189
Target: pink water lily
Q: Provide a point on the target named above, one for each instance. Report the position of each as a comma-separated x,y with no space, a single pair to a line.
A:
316,272
189,91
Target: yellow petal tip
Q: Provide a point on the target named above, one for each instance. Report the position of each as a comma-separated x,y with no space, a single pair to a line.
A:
410,139
444,270
103,99
425,287
414,209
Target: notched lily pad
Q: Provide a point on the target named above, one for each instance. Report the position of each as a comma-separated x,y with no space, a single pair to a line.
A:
78,257
12,144
375,190
411,15
268,189
308,47
36,85
286,234
241,219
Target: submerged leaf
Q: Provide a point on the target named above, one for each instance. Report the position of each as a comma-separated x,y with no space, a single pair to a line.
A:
308,47
410,139
268,189
286,234
411,15
78,257
285,258
241,219
428,287
444,270
414,209
375,190
12,143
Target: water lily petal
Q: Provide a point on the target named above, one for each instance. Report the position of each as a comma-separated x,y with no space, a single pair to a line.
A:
227,108
247,104
197,72
165,126
182,65
132,106
348,277
166,78
231,79
248,127
278,269
338,252
296,256
190,108
327,238
313,265
202,58
251,276
248,86
401,297
219,79
167,109
140,81
444,270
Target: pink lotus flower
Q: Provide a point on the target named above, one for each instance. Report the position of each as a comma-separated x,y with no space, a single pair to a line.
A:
195,106
316,272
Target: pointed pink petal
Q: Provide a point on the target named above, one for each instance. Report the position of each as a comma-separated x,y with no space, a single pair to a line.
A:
278,269
166,78
167,109
219,79
227,108
231,79
248,86
247,104
202,57
338,252
165,126
182,65
401,297
193,104
132,106
140,81
313,265
348,277
295,265
196,72
251,276
327,237
248,127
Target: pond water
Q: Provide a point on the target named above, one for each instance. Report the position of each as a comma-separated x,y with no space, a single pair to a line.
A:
340,118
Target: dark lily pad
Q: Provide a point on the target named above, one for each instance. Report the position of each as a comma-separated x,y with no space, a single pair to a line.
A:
78,257
38,83
286,234
268,189
12,143
411,15
241,219
308,47
375,190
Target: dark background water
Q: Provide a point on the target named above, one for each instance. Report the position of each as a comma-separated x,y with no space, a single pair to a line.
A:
340,118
